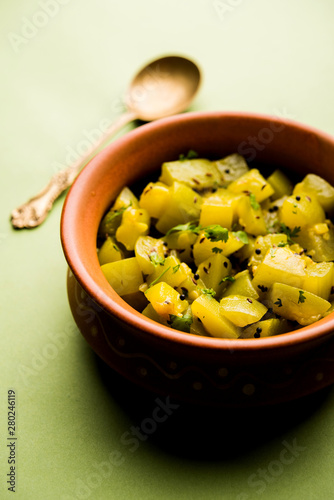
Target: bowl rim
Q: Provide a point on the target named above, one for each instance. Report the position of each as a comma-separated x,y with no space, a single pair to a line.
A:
113,304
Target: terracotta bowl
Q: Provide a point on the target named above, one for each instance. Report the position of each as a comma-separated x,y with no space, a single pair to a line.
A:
235,373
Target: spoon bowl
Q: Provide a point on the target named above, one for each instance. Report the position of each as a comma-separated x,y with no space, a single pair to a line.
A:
164,87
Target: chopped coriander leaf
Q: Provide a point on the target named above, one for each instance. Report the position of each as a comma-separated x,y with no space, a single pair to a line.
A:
302,297
242,236
176,268
217,250
159,277
181,323
295,232
227,278
209,291
191,154
278,303
216,233
189,226
291,233
116,213
156,259
254,203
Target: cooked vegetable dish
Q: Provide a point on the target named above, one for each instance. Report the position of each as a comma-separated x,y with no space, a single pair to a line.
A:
215,248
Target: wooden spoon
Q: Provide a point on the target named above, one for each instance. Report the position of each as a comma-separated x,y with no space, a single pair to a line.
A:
164,87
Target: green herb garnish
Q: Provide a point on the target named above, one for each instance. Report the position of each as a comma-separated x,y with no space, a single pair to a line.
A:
181,323
156,259
302,297
188,156
227,278
213,233
112,215
216,233
290,233
189,226
242,236
253,201
209,291
159,277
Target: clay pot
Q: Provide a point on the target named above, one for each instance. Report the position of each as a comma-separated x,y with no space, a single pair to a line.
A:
188,367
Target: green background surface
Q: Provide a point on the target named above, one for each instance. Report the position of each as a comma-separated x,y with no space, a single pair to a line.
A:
74,417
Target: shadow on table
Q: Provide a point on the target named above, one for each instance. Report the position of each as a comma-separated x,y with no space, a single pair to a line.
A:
206,433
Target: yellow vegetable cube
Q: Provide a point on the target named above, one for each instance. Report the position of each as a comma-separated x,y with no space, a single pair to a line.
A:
280,183
225,197
204,247
314,184
109,251
154,198
124,275
113,217
125,198
270,212
252,182
197,173
191,288
296,304
165,300
151,313
250,217
266,328
301,210
135,223
149,252
172,271
212,271
242,310
280,265
208,311
197,328
263,244
184,206
319,245
182,242
319,279
242,285
246,251
231,167
215,211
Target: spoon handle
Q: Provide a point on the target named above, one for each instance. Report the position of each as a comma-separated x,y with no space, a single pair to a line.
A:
35,210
